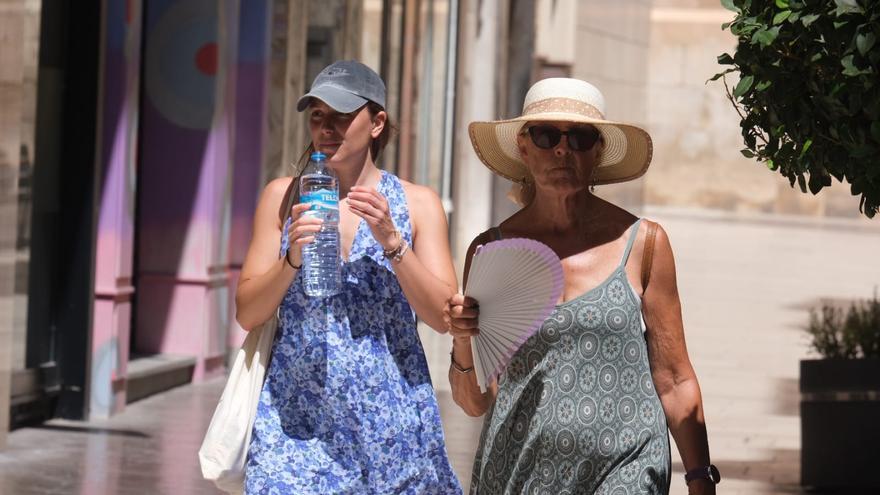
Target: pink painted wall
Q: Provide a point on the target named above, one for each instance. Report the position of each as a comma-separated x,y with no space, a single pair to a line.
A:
115,230
187,141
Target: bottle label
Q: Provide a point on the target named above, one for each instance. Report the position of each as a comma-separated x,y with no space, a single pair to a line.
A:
321,200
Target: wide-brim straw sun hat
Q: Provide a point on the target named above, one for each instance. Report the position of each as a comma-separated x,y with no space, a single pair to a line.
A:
626,152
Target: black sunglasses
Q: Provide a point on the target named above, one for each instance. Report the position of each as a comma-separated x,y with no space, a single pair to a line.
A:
579,138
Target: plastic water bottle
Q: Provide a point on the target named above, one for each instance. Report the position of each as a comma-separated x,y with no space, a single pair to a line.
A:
319,187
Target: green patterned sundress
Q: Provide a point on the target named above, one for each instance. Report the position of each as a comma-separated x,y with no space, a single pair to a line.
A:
576,411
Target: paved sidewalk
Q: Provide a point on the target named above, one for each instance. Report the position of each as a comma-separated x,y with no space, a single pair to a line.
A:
744,286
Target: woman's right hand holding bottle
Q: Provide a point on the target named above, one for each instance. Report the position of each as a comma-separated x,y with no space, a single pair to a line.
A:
302,231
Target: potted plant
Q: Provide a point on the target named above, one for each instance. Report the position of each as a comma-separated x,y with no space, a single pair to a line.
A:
840,398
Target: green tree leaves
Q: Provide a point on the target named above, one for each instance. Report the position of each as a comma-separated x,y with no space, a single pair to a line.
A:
809,91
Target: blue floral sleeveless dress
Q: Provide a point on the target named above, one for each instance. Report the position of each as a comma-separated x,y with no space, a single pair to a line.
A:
348,406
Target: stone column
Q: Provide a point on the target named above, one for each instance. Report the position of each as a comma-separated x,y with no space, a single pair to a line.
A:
475,100
11,75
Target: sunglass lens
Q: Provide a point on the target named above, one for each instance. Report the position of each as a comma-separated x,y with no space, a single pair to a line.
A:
582,138
545,137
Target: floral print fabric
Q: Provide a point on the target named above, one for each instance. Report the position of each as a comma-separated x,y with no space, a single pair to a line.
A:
347,406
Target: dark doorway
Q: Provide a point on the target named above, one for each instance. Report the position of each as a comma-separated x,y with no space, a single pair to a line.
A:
61,274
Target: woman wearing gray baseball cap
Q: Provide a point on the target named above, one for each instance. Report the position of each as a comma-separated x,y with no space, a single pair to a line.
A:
348,405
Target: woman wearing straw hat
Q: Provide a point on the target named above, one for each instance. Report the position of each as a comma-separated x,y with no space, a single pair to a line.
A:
347,405
585,404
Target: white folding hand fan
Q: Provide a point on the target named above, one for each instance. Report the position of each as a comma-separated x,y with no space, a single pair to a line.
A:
517,283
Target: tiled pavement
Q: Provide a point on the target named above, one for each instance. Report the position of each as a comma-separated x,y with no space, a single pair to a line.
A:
744,284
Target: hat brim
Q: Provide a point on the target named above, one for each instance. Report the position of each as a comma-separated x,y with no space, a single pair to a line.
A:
626,154
338,99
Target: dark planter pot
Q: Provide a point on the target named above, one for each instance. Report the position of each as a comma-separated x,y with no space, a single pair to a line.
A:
840,424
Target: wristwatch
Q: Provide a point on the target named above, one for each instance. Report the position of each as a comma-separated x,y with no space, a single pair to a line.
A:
709,472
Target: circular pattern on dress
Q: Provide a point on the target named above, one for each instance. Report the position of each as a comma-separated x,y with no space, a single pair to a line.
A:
616,319
647,413
547,391
632,351
501,441
549,334
626,409
656,449
546,447
607,410
502,402
496,485
616,292
587,410
647,383
635,325
630,472
589,316
612,346
588,345
567,378
647,479
527,458
584,471
560,319
587,442
520,428
567,346
534,359
626,438
552,363
565,442
547,472
565,472
587,378
607,441
608,377
565,410
516,370
629,379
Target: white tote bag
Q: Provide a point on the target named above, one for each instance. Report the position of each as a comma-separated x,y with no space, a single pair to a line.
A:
224,450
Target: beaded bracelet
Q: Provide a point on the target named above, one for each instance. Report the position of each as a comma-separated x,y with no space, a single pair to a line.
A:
397,253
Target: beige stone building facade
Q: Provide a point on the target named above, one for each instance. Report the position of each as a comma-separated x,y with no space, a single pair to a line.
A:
652,60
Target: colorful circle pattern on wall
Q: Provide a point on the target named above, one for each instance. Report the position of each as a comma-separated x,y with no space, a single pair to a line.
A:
182,63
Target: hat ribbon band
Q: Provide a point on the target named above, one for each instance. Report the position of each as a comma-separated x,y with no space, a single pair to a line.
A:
563,105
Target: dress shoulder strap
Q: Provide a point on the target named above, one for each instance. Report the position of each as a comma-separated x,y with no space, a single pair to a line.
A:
633,233
495,233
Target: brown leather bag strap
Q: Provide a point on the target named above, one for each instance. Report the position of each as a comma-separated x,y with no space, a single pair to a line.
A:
648,254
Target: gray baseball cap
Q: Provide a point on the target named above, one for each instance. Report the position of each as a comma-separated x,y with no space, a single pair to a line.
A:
345,86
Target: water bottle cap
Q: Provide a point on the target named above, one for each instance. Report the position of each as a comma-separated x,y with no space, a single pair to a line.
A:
318,156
